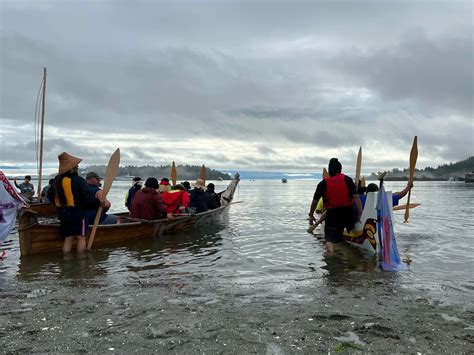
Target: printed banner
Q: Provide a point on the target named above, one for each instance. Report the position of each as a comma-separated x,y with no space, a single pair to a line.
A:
388,245
10,203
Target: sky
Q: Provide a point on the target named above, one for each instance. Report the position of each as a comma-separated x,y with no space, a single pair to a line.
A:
250,85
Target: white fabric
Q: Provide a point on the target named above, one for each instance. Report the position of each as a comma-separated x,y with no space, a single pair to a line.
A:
10,203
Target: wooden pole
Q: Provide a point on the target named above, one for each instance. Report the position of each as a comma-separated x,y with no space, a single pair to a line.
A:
174,174
40,172
358,167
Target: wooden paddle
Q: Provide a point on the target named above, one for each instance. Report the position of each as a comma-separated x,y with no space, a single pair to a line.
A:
110,174
202,174
173,174
413,158
325,173
402,207
363,181
358,166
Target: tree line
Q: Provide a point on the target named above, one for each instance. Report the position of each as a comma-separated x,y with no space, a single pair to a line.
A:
183,172
443,172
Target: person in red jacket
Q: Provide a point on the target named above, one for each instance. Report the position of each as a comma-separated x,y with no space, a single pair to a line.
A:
176,200
147,203
339,195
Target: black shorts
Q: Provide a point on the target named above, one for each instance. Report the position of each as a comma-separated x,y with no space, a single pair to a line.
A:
72,228
336,220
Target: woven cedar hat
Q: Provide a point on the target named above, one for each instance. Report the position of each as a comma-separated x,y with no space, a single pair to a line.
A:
67,162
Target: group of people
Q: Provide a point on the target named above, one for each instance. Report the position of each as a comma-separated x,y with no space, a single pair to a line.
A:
161,200
343,203
77,200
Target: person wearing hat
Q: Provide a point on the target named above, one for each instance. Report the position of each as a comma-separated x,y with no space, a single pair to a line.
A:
213,199
72,198
198,197
93,181
147,203
136,186
339,195
164,185
27,190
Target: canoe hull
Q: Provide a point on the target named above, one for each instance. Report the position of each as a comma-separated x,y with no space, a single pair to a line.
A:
38,236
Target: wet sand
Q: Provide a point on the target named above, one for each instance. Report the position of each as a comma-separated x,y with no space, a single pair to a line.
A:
178,313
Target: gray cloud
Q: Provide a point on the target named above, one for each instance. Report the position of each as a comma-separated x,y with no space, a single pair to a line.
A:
272,79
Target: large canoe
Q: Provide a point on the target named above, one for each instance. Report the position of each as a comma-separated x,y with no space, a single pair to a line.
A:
39,233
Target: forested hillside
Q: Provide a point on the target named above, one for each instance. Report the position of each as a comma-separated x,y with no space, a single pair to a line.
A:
443,172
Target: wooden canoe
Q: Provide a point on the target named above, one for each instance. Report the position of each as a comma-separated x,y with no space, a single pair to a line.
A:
38,234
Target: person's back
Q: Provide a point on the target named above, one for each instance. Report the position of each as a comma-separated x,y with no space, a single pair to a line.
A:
137,185
198,197
213,199
147,203
176,200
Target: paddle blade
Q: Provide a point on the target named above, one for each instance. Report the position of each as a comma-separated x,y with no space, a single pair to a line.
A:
202,173
358,166
413,158
173,174
403,207
111,172
325,173
363,181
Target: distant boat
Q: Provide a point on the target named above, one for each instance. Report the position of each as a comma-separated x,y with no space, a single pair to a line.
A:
284,180
219,179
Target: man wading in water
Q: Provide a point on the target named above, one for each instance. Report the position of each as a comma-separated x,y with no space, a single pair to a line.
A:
339,194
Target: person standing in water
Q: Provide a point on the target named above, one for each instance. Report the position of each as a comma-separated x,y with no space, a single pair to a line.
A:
72,198
339,195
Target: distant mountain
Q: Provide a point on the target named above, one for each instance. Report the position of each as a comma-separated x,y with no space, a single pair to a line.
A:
183,172
455,171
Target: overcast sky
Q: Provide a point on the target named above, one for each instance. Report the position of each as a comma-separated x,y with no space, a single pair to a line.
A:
249,85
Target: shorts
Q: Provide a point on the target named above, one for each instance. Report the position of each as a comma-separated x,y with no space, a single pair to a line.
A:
72,228
333,234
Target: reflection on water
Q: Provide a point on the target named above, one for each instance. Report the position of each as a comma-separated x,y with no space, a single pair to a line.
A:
263,241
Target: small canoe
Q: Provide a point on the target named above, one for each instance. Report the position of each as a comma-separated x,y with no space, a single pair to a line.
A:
39,234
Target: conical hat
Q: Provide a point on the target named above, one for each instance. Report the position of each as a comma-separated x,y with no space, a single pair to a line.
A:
67,162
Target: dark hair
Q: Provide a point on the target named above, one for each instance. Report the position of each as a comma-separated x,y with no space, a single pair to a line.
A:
51,181
27,177
152,182
361,190
372,188
187,185
334,167
211,186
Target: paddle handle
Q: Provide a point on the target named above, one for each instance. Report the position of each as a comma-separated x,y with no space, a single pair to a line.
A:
94,228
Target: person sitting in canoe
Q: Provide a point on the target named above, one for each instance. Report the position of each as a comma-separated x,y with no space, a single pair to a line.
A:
93,181
396,196
44,192
136,186
176,200
198,200
164,185
27,190
339,193
72,198
213,199
147,203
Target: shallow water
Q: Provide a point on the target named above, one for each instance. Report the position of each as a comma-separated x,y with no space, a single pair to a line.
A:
259,253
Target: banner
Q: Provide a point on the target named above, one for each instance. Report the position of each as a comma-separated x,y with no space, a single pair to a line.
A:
10,203
388,245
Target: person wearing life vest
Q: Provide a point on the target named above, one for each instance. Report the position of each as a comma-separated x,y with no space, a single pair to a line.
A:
339,195
72,198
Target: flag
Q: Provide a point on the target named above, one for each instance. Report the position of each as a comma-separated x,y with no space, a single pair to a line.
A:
388,245
10,203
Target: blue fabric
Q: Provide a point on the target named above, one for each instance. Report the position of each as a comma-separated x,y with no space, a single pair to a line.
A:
395,200
388,245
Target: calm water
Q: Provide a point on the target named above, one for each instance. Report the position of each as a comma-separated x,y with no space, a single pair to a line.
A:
264,238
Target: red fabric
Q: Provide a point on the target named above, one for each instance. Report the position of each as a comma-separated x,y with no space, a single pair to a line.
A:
337,192
175,199
148,204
